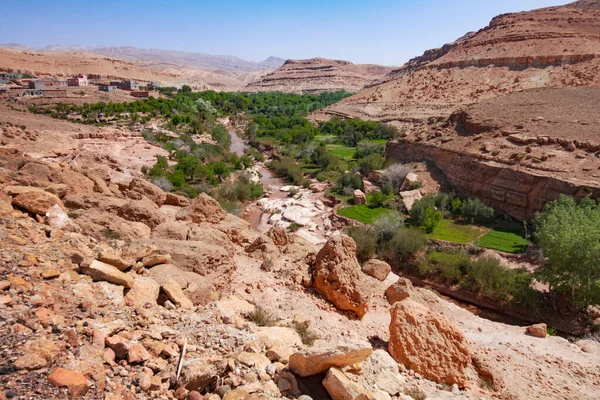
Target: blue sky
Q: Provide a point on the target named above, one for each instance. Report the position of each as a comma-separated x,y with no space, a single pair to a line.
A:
362,31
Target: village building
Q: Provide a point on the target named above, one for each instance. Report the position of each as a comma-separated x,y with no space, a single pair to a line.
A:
33,92
126,85
54,93
107,88
140,93
37,85
11,75
78,80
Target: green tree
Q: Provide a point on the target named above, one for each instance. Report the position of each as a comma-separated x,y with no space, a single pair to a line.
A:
569,235
475,211
431,219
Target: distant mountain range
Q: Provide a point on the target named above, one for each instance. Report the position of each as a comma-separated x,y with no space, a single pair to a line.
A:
204,61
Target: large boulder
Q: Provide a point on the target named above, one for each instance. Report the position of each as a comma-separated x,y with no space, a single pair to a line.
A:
175,294
144,211
195,287
340,387
428,343
202,209
145,291
377,269
139,188
321,357
33,199
359,197
100,271
337,275
409,197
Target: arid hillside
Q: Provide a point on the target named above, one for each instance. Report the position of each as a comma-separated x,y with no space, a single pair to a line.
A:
550,47
68,63
319,75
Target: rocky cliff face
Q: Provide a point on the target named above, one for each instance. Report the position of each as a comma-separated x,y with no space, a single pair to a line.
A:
550,47
319,75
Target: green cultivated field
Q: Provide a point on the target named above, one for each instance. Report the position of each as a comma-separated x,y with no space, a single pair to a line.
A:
363,213
345,152
455,232
503,240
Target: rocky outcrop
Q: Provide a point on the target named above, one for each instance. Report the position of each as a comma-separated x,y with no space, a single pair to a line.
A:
319,75
34,200
139,188
321,357
514,191
202,209
428,343
337,275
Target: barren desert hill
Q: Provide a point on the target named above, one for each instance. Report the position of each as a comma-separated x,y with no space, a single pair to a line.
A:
68,63
318,75
549,47
209,62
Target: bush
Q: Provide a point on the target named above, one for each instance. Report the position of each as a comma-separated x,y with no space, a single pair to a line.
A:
261,317
404,243
348,180
386,226
366,242
288,168
376,199
162,182
417,212
475,211
367,147
395,175
431,219
370,163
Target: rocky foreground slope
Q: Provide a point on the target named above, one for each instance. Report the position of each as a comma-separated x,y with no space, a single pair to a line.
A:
507,113
319,75
111,288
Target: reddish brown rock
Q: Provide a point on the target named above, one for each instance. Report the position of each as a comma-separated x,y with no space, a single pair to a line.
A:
202,209
75,382
321,357
175,294
538,330
32,199
428,343
400,290
140,187
137,354
377,269
279,236
338,277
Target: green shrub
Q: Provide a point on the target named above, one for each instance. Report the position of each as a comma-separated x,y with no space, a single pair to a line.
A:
288,168
386,226
366,242
404,243
475,211
376,199
367,147
370,163
431,219
348,180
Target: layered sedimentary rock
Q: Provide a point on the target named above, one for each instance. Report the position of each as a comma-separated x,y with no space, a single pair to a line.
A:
319,75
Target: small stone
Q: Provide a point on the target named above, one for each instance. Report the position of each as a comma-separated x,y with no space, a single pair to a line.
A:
194,395
50,273
144,381
5,300
284,385
137,354
538,330
4,285
76,383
